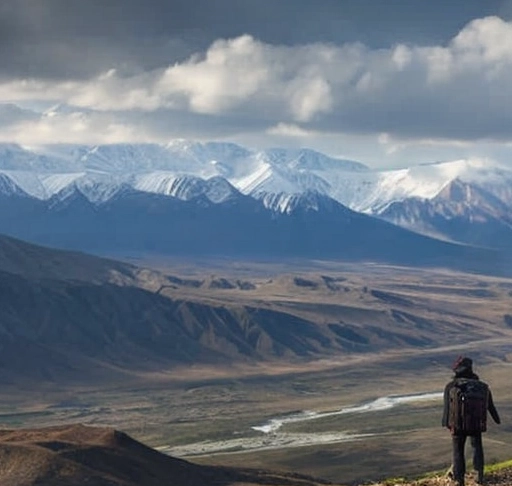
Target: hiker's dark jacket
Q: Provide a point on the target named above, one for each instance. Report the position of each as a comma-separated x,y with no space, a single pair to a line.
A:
472,376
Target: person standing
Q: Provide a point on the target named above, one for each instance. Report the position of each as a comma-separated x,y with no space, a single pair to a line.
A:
466,402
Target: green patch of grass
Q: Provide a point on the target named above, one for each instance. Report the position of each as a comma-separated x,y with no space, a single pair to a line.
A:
489,469
393,481
492,468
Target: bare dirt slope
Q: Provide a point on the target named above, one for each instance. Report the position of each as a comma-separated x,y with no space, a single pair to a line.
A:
78,455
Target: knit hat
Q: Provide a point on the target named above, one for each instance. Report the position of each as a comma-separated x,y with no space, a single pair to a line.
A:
462,363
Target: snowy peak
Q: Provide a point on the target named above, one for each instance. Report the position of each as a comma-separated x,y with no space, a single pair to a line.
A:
293,171
307,159
154,167
69,196
219,190
223,198
183,168
309,201
208,151
462,211
469,194
9,188
216,189
282,202
462,199
375,191
98,191
124,158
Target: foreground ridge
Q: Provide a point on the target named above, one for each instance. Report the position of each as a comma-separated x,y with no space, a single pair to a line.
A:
74,455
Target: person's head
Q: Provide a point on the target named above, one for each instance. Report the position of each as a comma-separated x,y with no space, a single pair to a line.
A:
463,365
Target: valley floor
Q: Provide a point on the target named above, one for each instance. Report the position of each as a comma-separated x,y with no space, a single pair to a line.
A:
398,332
173,410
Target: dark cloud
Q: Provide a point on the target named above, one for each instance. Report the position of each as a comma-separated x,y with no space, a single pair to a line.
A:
80,38
423,72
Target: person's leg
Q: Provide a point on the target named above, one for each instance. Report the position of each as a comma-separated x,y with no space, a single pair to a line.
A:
478,456
459,461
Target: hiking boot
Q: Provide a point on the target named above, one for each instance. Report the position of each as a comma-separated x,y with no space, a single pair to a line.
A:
480,477
457,482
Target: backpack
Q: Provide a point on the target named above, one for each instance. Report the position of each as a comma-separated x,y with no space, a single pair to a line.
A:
468,401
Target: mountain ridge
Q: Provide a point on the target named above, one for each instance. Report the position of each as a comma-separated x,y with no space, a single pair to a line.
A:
234,225
301,170
422,198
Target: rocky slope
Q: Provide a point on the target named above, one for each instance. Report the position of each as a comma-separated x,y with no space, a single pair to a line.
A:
76,455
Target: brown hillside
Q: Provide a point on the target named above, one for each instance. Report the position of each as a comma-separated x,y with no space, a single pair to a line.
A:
70,317
38,262
77,455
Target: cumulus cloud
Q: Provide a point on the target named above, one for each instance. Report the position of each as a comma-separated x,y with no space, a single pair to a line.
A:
61,125
290,130
458,91
233,74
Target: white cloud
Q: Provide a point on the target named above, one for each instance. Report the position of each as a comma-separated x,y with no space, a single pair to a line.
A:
71,127
289,130
459,91
487,40
309,98
483,49
402,56
231,72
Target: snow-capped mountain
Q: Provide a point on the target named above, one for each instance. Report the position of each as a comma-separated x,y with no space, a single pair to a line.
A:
461,211
309,201
9,188
311,226
44,171
464,200
185,187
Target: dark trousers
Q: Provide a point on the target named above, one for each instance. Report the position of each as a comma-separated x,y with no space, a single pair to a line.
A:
459,461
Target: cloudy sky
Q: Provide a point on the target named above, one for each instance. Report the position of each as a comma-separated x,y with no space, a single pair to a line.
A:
385,82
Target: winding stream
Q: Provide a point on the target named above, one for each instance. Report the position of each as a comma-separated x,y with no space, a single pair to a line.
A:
272,437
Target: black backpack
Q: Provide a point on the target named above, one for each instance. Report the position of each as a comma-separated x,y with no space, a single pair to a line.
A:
468,406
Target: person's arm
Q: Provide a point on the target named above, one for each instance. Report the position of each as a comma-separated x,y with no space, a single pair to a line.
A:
446,407
492,409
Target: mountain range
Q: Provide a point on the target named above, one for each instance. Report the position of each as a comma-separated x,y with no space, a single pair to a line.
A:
224,199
